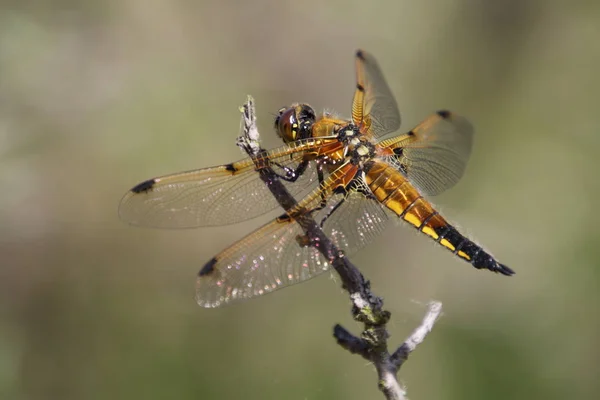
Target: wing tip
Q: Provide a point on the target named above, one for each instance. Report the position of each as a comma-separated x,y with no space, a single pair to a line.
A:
360,54
208,268
144,187
445,114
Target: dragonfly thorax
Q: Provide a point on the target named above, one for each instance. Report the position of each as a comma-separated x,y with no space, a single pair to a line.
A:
361,152
348,134
358,148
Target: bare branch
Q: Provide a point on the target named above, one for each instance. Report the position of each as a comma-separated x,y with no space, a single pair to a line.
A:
418,336
249,140
367,308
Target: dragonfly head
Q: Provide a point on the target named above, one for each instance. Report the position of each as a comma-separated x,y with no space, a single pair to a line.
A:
295,122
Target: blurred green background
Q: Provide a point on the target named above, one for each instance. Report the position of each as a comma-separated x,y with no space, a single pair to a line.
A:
97,96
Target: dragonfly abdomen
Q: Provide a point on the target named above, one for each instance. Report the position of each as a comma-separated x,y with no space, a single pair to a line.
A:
394,191
438,229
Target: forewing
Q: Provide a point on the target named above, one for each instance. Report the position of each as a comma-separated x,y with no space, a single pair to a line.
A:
374,105
219,195
435,153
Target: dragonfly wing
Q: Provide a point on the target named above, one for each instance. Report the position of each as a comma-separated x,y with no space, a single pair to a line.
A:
374,105
277,255
434,154
356,221
268,259
219,195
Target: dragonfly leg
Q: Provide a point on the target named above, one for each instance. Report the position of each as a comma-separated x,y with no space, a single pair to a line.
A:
321,179
323,195
330,213
323,202
292,175
304,240
358,188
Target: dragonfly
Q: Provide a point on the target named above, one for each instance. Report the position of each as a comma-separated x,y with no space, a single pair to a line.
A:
350,178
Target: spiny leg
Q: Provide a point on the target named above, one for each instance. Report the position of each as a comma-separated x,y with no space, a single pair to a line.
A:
353,186
292,175
330,213
321,177
323,202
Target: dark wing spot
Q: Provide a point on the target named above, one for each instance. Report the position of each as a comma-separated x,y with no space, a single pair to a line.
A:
284,218
360,87
444,114
208,268
144,187
230,168
360,54
411,133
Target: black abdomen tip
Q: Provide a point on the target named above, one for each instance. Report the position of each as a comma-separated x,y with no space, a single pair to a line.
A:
208,268
483,260
144,187
360,54
504,270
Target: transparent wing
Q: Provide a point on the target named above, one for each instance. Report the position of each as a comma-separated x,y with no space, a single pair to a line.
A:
357,221
374,106
275,256
220,195
434,154
268,259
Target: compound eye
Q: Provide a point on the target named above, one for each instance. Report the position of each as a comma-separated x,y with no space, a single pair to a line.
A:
287,125
306,114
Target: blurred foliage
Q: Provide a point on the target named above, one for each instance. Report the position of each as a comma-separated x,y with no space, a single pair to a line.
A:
97,96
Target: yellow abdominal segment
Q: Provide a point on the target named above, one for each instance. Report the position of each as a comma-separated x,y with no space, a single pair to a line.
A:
392,189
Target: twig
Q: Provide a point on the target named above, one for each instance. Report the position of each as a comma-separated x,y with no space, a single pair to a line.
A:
366,307
416,338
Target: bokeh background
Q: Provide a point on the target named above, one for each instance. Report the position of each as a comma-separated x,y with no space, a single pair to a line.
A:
96,96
